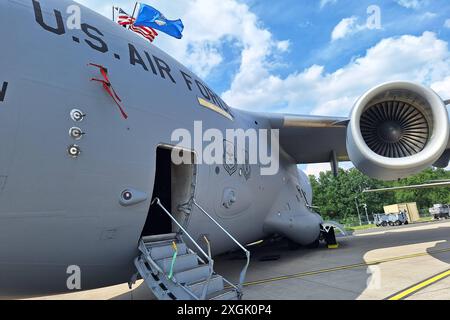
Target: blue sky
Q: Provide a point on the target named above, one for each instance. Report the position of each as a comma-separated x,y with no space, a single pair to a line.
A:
306,56
246,48
308,26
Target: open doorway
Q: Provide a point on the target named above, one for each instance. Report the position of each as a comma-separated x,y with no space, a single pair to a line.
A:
175,186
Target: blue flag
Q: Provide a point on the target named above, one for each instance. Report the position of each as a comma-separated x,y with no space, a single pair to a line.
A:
150,17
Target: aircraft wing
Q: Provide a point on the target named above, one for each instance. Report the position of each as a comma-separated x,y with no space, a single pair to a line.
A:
317,139
312,139
395,129
444,184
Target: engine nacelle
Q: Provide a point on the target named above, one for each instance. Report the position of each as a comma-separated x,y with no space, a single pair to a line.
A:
397,129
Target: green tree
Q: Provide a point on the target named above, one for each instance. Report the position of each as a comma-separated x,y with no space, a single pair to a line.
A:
335,196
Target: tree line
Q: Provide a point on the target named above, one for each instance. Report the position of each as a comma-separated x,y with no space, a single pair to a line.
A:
337,197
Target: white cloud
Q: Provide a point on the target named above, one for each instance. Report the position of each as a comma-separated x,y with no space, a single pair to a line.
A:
316,168
428,15
283,46
447,23
324,3
442,88
209,24
346,27
425,59
412,4
257,87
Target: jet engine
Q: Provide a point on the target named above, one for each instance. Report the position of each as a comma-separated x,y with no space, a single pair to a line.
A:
397,129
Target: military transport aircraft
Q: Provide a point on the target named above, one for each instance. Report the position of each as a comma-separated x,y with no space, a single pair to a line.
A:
88,188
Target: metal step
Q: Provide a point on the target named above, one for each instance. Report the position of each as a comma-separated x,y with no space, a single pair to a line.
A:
159,237
174,272
182,263
214,285
226,294
190,278
194,275
165,251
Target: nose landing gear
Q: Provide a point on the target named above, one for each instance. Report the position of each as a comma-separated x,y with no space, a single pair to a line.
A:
327,233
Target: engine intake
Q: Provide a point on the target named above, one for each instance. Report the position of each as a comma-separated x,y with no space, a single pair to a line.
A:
397,129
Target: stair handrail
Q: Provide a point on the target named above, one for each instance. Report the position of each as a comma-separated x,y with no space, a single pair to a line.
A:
158,202
247,252
209,257
208,279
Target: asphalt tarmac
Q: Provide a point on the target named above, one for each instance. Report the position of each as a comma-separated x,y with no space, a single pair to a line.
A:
408,262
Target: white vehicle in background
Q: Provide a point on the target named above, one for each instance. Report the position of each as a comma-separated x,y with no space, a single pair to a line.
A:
440,211
391,219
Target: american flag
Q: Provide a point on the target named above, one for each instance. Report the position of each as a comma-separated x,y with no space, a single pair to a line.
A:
124,19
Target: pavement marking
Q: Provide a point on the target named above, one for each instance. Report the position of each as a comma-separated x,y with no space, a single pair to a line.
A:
346,267
420,286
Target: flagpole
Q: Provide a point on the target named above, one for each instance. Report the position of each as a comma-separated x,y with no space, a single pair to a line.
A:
132,17
134,11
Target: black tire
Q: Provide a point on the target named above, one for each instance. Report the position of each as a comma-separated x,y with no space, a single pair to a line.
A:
406,222
384,224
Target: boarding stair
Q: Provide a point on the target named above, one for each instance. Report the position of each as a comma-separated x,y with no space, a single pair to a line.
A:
173,271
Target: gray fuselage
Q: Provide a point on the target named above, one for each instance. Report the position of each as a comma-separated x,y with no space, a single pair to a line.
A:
56,210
